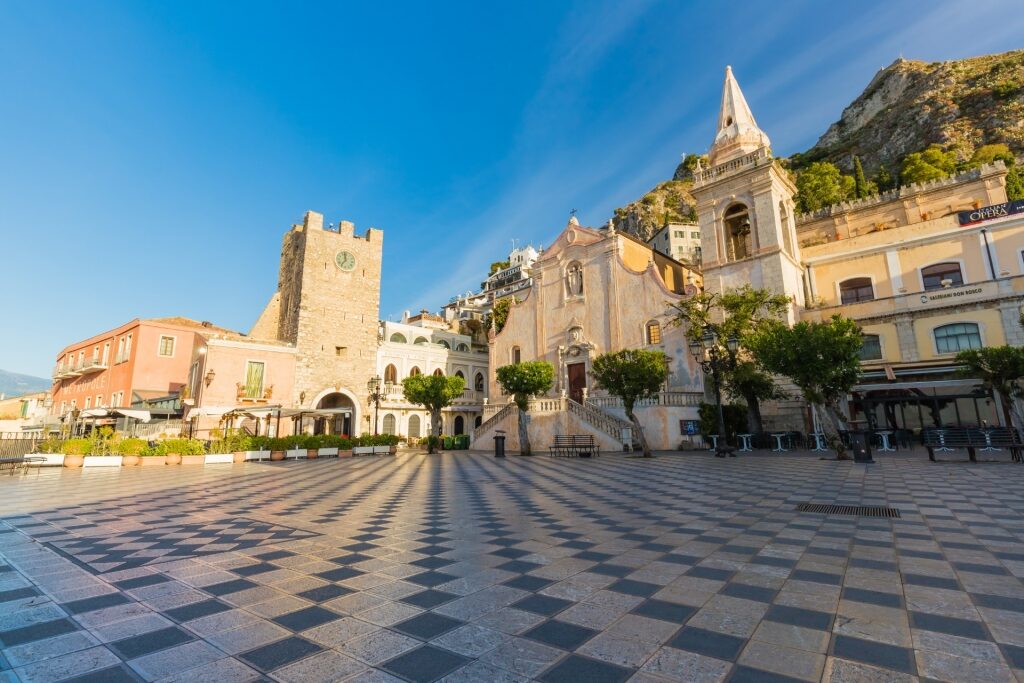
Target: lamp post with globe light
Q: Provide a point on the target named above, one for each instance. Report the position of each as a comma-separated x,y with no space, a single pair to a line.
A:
714,358
373,387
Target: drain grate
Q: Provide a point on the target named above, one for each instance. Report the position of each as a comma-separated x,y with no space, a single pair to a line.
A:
855,510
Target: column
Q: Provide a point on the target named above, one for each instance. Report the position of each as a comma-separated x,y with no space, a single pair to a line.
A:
907,339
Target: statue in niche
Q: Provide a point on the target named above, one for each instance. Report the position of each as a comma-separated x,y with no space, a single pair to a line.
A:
574,279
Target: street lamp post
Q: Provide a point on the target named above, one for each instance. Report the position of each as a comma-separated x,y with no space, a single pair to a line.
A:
373,387
713,359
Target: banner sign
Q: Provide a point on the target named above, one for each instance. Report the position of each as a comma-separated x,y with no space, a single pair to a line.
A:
987,213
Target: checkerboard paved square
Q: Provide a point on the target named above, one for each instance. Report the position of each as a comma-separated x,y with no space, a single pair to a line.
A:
460,567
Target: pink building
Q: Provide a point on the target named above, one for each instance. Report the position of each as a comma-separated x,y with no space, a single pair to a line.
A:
140,360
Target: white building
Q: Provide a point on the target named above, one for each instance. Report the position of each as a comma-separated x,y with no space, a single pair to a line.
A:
424,344
680,241
513,279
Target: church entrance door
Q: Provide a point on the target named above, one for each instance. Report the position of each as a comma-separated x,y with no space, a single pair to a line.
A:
577,381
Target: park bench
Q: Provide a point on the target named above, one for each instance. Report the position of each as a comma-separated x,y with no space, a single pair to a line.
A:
579,445
973,440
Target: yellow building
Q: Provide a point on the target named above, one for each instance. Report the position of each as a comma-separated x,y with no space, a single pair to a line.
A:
927,270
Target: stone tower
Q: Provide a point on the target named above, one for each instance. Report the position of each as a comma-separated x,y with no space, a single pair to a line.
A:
745,208
327,306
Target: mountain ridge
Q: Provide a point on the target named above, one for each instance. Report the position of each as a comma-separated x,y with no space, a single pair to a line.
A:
16,384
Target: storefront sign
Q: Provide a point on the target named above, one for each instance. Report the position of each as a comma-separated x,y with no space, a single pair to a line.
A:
942,296
987,213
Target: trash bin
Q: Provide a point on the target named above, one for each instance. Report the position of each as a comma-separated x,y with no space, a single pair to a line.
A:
499,444
860,441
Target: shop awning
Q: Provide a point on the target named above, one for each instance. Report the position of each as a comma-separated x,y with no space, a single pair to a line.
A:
141,415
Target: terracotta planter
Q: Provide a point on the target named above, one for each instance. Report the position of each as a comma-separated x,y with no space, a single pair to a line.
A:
393,450
345,454
151,460
192,459
173,458
239,456
276,455
130,461
311,453
73,461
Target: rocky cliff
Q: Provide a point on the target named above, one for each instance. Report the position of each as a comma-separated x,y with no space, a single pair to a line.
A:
907,106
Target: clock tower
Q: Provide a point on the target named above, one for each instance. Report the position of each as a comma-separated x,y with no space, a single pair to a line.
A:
327,305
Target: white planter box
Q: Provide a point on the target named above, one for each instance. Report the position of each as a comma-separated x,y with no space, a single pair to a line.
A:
382,450
51,459
257,455
362,450
325,452
219,458
102,461
295,453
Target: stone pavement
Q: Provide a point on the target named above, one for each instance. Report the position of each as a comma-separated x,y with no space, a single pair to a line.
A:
459,567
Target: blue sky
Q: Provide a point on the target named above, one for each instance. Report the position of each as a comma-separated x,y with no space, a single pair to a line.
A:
153,154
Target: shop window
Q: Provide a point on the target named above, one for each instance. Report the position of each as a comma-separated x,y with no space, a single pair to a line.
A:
871,347
935,276
856,289
957,337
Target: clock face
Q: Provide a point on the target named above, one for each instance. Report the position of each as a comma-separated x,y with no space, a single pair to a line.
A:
345,260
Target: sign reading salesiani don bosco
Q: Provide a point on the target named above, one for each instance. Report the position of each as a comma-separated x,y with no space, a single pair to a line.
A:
987,213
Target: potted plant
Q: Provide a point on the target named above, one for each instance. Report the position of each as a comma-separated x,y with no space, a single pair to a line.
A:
153,455
50,450
221,450
192,452
328,445
277,447
131,450
296,446
75,451
312,444
103,445
239,445
258,448
174,449
344,447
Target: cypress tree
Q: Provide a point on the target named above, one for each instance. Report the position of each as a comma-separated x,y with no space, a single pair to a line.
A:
860,182
884,179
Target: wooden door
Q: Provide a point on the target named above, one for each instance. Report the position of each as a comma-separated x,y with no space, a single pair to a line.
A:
577,381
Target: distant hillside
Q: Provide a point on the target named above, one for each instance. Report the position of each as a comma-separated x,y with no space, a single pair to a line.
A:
909,105
13,384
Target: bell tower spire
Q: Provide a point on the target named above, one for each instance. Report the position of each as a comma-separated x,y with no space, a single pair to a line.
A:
738,133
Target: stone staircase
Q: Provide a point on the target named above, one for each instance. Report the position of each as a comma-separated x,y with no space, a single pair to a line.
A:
596,419
495,419
602,421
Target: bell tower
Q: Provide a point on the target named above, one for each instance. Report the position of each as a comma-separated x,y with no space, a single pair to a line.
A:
745,208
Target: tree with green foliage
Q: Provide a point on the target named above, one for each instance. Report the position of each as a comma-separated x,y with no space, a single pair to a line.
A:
987,154
820,185
862,187
738,313
884,180
1015,183
822,359
1000,368
496,266
632,375
523,381
499,313
434,393
931,164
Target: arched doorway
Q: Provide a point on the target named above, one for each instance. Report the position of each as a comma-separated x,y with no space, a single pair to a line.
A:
460,425
339,424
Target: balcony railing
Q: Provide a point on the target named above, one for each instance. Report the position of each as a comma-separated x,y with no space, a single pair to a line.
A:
92,365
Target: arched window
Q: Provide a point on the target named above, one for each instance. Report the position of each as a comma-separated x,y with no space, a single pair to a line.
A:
444,344
414,426
478,381
439,373
478,421
421,341
652,332
458,373
957,337
415,371
399,338
516,355
462,347
460,425
574,279
390,374
388,427
856,289
871,347
738,244
934,276
787,240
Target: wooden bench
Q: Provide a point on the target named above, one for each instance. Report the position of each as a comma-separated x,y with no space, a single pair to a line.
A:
579,445
973,440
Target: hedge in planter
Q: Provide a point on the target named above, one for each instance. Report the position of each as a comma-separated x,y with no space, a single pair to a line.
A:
131,450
